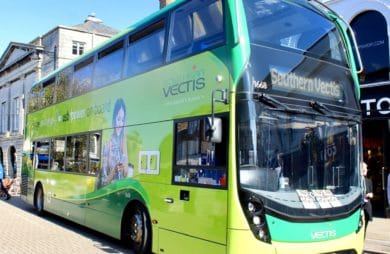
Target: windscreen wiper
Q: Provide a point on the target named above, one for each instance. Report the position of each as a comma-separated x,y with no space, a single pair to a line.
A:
319,107
324,110
268,100
274,103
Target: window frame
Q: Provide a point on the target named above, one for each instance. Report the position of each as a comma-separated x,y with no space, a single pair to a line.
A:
36,160
145,32
48,86
64,170
68,73
190,8
4,117
83,65
78,48
224,145
16,107
106,51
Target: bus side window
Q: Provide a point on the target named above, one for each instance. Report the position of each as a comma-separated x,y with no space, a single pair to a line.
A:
108,67
197,160
145,50
94,153
48,92
76,154
196,30
82,77
42,154
64,80
58,154
34,100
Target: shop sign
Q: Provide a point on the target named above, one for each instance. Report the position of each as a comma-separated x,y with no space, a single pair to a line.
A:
375,102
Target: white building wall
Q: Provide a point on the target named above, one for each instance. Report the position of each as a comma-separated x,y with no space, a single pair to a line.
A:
68,36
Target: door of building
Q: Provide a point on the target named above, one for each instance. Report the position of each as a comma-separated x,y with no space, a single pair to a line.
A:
376,149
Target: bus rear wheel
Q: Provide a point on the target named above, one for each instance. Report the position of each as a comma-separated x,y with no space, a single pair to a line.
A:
137,229
39,201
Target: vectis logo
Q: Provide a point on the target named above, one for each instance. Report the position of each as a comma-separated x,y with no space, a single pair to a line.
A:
185,87
323,234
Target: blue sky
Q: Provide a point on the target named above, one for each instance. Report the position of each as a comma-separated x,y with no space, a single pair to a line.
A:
24,20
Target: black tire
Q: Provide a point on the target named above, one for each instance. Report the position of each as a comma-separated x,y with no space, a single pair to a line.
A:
136,232
3,195
39,201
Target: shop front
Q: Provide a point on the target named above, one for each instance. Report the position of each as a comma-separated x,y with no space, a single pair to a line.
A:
375,104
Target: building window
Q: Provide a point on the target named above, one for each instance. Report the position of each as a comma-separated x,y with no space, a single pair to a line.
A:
15,114
78,48
4,118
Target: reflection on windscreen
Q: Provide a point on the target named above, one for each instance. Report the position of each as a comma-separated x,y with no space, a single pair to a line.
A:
284,25
300,154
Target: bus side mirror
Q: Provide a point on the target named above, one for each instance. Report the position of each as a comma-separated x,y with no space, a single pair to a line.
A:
214,132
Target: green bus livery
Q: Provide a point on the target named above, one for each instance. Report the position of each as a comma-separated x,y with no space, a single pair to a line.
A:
218,126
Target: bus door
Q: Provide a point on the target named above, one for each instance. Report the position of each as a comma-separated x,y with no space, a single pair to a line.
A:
194,207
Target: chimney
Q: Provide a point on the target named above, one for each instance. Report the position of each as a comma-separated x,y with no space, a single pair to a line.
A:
92,17
164,3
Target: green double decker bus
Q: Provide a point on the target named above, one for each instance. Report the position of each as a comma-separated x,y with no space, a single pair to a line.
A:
212,126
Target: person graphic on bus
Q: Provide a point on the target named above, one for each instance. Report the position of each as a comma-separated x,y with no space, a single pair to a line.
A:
115,161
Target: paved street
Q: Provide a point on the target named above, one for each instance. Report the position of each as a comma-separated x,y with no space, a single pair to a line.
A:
26,232
378,236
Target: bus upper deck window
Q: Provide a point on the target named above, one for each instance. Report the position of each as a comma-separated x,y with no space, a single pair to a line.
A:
82,77
64,80
146,48
196,29
48,92
34,101
108,67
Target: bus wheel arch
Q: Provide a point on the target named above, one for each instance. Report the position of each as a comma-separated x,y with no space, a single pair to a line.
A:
39,198
136,229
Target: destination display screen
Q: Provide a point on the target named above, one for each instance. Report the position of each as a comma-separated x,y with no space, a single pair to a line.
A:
290,74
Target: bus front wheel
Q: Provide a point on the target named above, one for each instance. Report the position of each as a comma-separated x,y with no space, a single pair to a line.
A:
39,200
136,229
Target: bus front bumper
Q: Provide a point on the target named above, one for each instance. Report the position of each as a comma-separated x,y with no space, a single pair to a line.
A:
243,241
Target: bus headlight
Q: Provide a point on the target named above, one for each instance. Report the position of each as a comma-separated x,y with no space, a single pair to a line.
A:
256,220
255,214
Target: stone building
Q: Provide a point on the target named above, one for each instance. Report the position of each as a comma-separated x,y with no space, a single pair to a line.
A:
23,63
370,20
